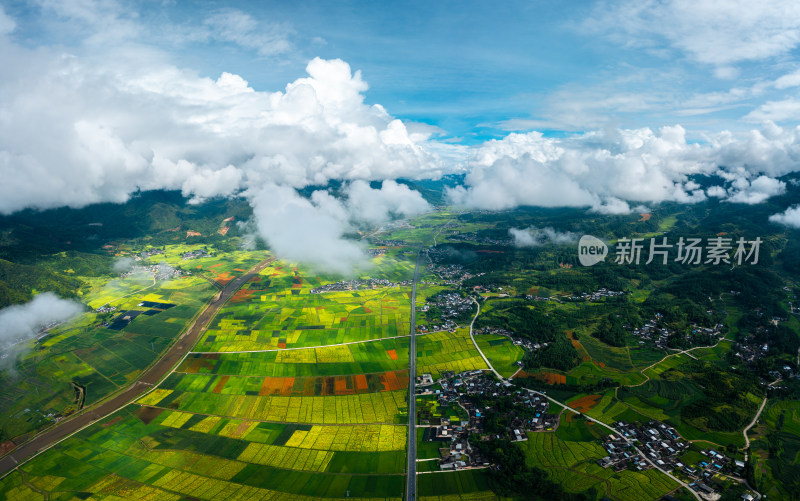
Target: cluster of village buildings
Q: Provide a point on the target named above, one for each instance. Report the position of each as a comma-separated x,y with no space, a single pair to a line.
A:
445,325
387,243
653,331
150,252
597,295
456,390
663,446
195,254
525,343
451,304
659,442
158,271
543,298
451,274
354,285
749,351
473,237
656,443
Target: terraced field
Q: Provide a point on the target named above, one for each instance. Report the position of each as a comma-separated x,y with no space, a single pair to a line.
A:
569,456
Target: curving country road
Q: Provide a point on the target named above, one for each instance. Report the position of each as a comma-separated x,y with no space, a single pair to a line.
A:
150,377
570,409
489,364
752,423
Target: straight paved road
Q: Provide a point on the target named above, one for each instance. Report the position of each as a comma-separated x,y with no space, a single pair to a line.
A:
411,470
153,375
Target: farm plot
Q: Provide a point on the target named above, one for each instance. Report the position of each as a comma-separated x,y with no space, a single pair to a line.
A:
289,386
501,352
155,452
192,476
610,409
221,267
447,351
569,457
776,449
100,359
455,486
351,438
359,358
279,311
380,407
591,371
285,416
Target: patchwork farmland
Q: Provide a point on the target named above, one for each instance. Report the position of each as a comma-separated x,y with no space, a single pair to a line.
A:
297,389
98,350
278,310
288,395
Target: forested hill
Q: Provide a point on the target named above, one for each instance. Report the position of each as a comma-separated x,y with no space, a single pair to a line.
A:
52,250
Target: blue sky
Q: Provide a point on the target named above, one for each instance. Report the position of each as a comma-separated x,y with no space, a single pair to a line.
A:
478,70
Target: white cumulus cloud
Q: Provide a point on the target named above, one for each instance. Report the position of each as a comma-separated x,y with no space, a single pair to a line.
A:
534,237
312,230
755,191
607,170
790,217
78,129
19,323
378,205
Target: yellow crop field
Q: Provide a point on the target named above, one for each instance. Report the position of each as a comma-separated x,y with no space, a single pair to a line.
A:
464,364
237,429
202,464
333,354
176,419
448,351
153,397
206,424
380,407
369,438
297,357
292,458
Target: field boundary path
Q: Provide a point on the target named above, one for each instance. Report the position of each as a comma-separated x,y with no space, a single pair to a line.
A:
681,352
752,423
411,469
152,376
747,440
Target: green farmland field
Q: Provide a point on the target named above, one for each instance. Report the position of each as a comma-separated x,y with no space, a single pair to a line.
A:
501,352
569,457
447,351
100,359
